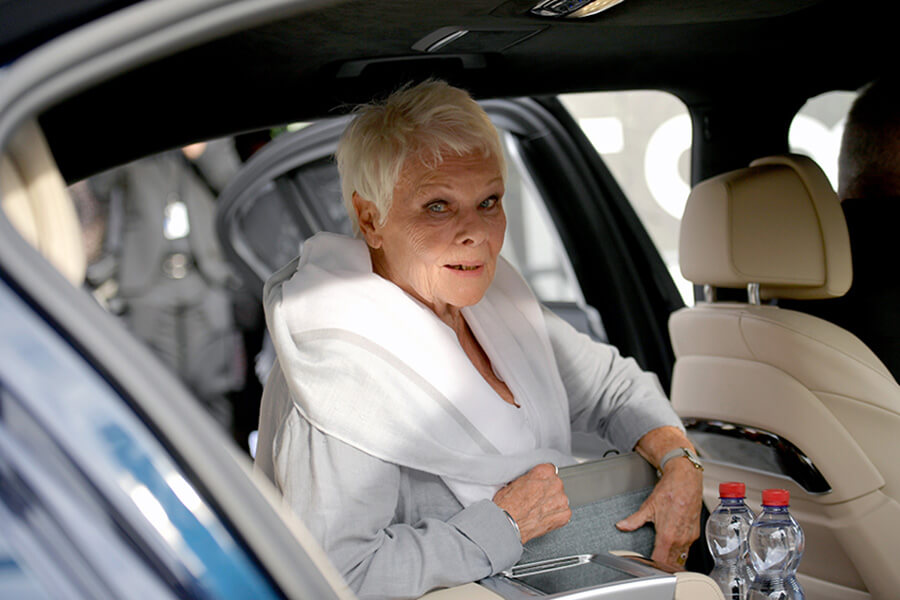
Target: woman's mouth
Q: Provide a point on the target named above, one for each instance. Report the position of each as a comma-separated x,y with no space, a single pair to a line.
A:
466,268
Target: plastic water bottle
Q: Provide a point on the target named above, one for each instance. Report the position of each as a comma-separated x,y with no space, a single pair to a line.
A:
726,535
776,545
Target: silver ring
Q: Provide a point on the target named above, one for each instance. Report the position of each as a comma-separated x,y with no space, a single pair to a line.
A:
556,469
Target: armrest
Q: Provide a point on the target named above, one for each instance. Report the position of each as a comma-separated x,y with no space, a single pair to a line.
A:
695,586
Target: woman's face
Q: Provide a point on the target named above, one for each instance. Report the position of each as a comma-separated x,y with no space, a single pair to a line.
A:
444,230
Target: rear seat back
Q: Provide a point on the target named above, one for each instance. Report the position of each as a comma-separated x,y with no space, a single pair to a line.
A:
778,398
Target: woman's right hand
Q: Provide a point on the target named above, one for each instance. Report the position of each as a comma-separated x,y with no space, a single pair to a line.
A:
537,501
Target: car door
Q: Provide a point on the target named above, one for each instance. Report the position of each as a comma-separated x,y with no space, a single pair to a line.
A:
113,483
571,231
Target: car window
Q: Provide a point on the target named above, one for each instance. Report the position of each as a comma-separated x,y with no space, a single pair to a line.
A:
644,138
155,263
817,128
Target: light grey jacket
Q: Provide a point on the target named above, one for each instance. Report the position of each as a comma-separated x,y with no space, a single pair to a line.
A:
395,532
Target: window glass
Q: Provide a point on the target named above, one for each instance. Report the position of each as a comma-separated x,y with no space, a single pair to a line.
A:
817,128
16,581
90,500
154,261
644,137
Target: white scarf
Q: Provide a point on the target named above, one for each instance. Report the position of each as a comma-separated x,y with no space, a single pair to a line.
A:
368,364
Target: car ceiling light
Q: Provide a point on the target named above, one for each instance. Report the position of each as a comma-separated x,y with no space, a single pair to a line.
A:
572,9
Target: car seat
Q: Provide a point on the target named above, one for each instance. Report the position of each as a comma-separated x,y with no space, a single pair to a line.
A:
868,310
778,398
36,202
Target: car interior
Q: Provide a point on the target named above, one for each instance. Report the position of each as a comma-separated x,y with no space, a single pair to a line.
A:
800,401
770,396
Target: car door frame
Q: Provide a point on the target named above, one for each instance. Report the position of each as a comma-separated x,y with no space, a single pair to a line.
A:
38,80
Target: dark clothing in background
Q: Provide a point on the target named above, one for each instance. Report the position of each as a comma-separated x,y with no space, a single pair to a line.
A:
175,290
871,309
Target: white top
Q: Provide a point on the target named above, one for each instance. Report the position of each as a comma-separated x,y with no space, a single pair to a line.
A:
370,365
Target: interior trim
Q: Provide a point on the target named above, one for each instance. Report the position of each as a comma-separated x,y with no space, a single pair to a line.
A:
356,68
760,450
445,36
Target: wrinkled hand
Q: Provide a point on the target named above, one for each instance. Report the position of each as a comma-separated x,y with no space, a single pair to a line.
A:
537,501
674,509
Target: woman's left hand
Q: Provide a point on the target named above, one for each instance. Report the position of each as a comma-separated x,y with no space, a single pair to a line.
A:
674,505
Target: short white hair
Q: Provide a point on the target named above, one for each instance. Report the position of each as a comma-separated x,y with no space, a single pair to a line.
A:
425,122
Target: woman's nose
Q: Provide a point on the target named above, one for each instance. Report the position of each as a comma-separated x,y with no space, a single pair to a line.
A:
472,229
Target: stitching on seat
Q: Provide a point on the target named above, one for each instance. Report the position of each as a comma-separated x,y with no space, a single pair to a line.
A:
820,393
748,316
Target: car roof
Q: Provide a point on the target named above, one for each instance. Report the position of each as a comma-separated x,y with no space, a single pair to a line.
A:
333,54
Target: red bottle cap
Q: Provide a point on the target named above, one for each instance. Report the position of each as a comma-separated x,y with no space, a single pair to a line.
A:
732,489
776,497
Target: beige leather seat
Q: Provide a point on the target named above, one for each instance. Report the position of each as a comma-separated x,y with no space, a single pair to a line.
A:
777,398
36,202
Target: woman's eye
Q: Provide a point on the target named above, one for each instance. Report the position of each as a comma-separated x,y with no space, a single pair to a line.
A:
489,202
437,207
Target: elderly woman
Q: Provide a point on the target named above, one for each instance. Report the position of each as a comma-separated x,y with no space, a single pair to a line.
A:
422,397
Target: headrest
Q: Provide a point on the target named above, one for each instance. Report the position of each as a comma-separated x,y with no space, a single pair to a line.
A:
36,202
777,223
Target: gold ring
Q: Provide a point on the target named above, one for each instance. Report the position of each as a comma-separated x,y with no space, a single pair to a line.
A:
682,558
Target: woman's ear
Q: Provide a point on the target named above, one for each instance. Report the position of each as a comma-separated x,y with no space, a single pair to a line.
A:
367,217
